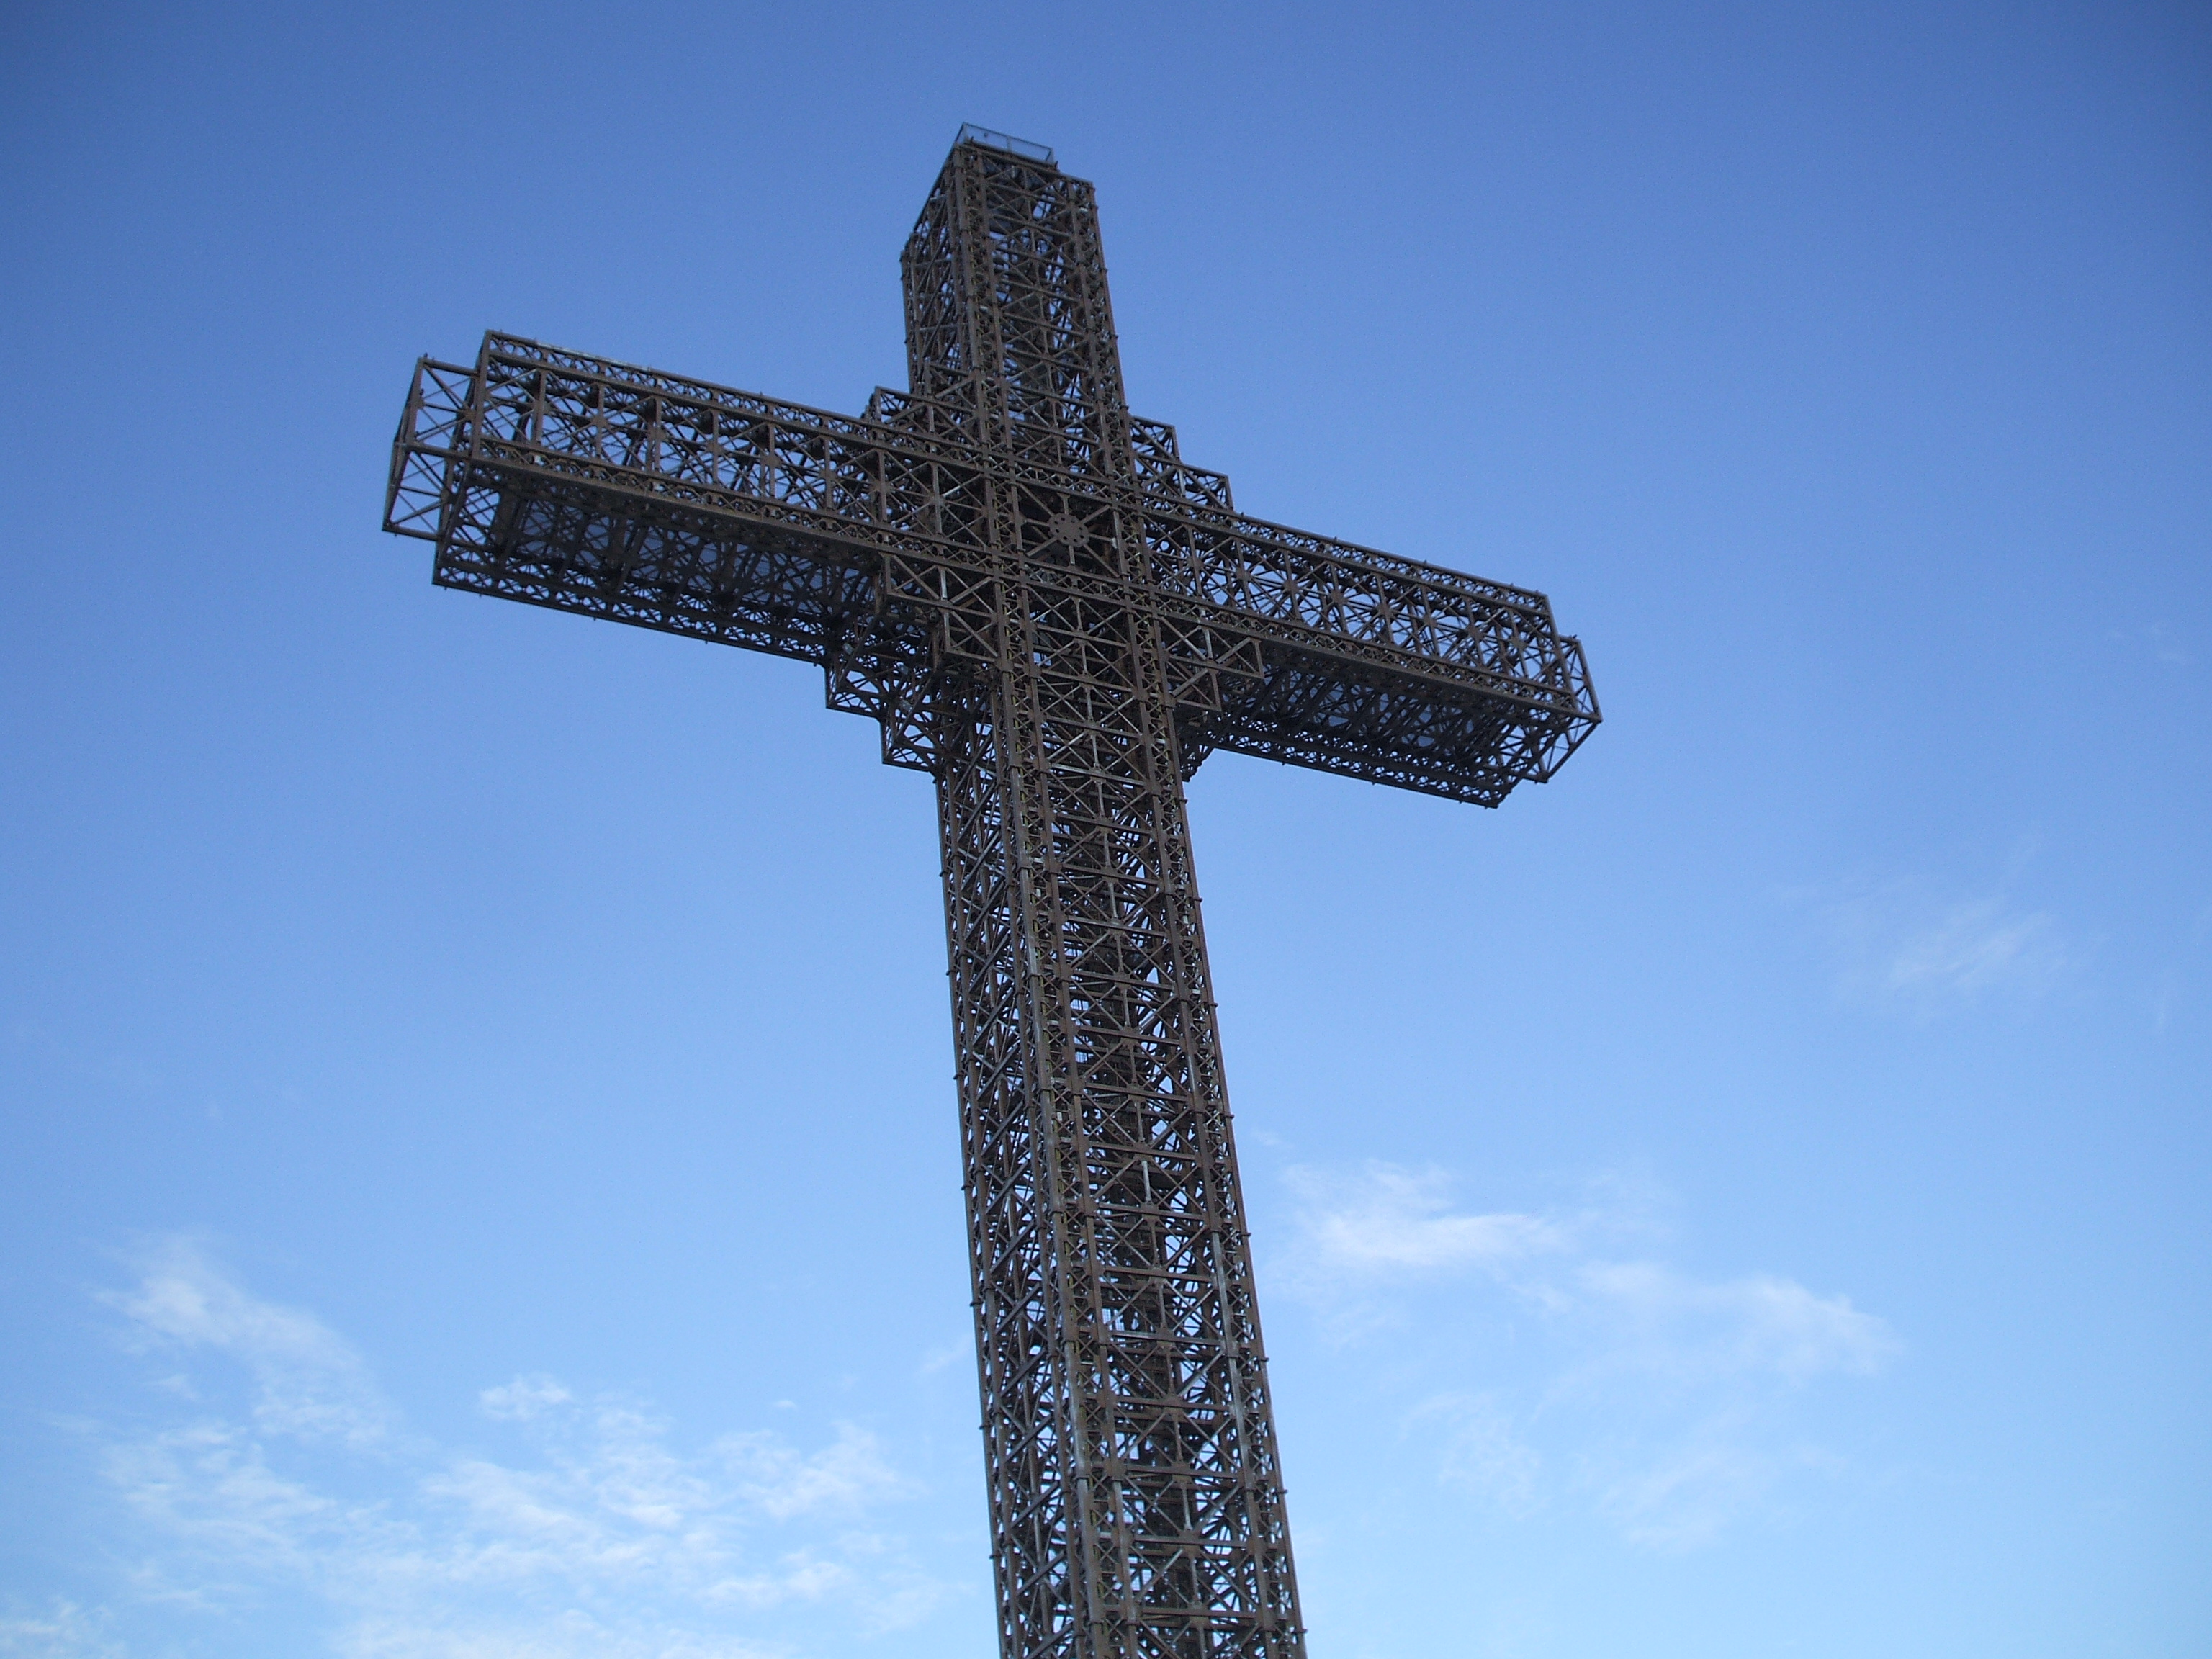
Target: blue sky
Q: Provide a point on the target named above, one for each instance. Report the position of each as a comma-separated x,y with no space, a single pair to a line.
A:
480,1175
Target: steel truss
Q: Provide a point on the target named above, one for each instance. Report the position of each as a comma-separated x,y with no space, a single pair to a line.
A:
1046,608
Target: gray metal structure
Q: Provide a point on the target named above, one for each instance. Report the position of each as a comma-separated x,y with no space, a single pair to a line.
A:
1051,614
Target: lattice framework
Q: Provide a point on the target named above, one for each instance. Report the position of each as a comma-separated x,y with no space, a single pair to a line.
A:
1049,612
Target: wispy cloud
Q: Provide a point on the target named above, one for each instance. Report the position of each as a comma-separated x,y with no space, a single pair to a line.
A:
607,1536
843,1478
1385,1218
1977,947
1657,1396
62,1631
308,1382
1685,1492
1899,945
1665,1323
525,1400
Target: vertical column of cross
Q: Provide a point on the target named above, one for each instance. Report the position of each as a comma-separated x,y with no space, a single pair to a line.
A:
1136,1499
1043,1555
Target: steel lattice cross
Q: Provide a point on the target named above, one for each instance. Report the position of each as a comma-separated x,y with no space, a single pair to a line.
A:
1057,619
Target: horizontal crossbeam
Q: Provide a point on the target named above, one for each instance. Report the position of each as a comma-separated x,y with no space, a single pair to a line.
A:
596,487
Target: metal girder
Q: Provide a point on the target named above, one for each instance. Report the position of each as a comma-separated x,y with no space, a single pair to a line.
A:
1050,611
675,504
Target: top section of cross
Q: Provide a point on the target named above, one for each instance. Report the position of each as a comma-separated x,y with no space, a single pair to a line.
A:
1009,325
972,134
883,547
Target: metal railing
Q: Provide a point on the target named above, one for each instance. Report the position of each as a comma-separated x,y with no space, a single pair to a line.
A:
972,134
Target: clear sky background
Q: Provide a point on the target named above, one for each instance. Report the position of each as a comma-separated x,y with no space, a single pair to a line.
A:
478,1176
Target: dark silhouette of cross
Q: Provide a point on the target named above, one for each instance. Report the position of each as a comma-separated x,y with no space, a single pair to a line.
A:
1051,613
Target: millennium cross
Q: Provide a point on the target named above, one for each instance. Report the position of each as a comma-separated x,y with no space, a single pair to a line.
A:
1049,612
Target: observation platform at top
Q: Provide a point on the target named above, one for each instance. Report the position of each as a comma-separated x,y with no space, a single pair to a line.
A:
879,547
1039,154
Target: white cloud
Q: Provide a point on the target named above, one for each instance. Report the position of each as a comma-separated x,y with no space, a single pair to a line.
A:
63,1631
1898,944
1660,1397
308,1382
1684,1494
209,1485
1387,1217
844,1477
524,1398
1976,947
607,1537
1672,1324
